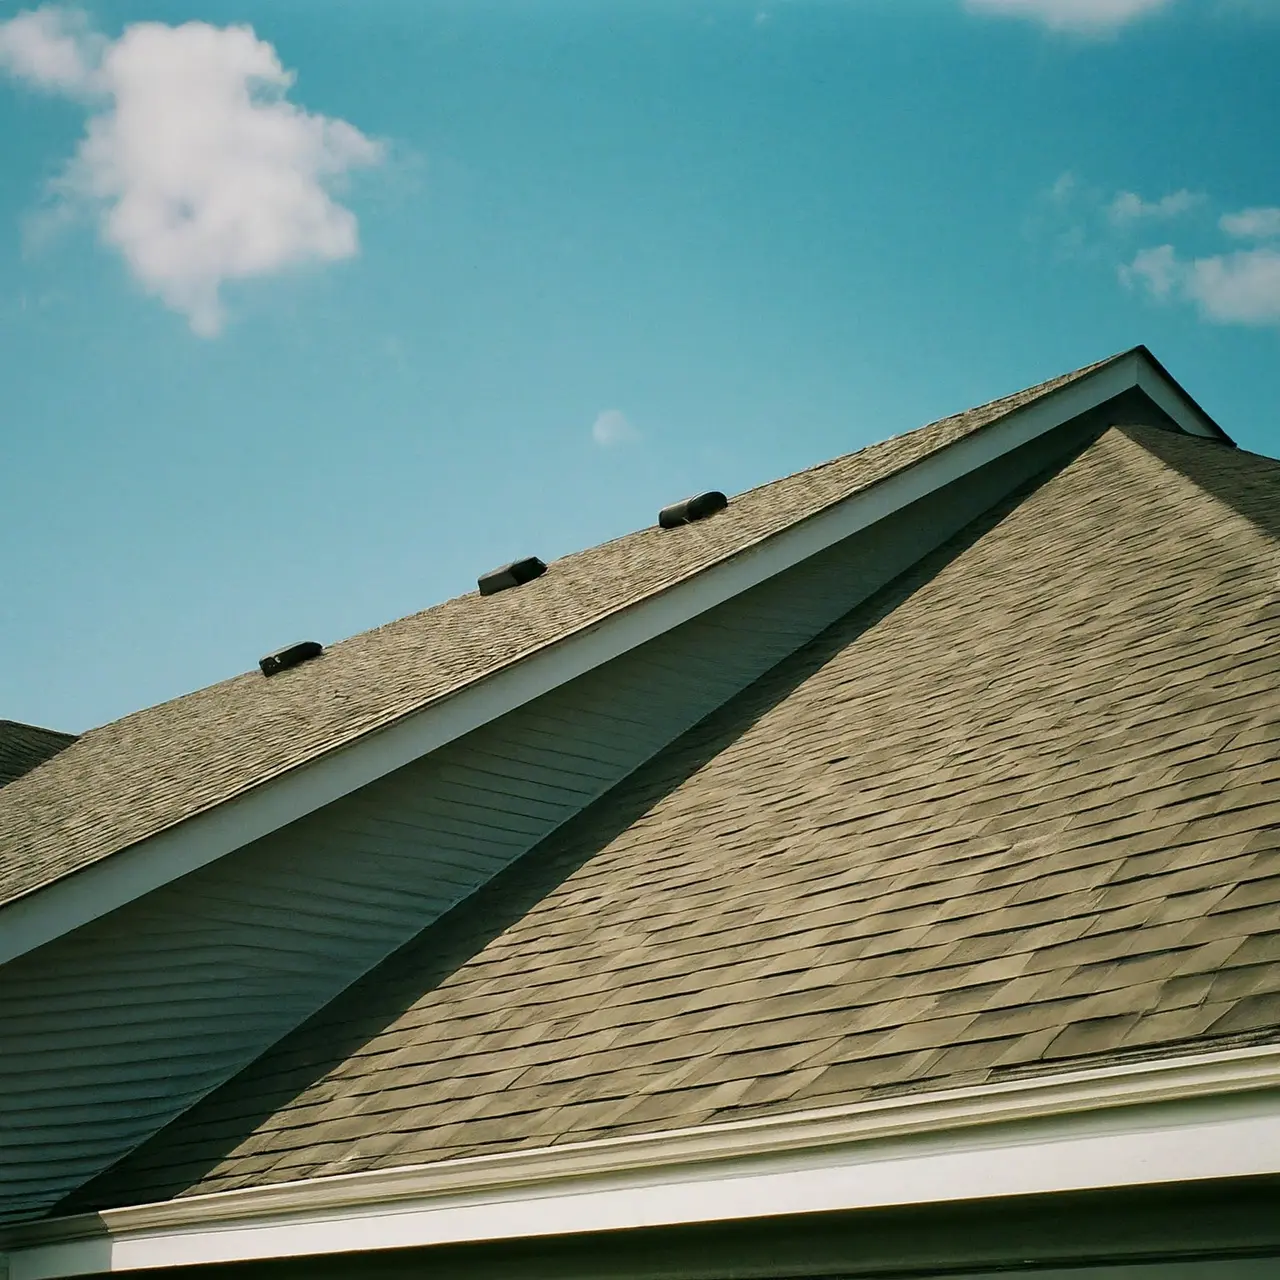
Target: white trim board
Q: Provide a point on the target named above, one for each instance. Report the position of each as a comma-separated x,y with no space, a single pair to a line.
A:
44,914
1190,1119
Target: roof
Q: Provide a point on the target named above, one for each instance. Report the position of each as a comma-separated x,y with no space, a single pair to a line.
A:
129,780
24,746
1020,811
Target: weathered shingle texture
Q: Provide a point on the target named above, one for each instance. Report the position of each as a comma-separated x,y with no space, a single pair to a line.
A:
1020,811
24,746
130,779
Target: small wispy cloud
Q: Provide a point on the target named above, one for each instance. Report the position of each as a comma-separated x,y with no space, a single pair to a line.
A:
1230,288
1129,207
1157,269
1083,221
1252,224
1240,287
52,49
613,427
1064,187
1059,217
1088,17
1083,224
194,164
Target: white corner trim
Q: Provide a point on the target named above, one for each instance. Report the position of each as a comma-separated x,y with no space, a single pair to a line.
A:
30,921
1212,1116
1175,402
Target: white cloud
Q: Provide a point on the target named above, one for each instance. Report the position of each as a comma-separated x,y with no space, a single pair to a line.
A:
1083,221
197,168
1239,288
1064,187
1252,224
1056,217
1233,288
1089,16
50,48
1128,207
1073,216
612,427
1158,269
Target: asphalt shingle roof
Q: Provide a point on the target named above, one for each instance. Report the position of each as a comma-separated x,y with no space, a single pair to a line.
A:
1021,810
24,746
128,780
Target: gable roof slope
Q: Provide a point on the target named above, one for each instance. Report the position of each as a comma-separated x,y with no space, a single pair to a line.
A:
139,776
1017,813
24,746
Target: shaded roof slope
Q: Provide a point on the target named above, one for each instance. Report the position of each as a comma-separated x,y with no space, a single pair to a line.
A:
24,746
137,776
1019,811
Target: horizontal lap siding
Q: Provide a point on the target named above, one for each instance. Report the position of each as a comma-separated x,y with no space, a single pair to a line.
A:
108,1033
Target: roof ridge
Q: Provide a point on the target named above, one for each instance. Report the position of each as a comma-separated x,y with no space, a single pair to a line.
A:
1033,392
1040,388
39,728
143,773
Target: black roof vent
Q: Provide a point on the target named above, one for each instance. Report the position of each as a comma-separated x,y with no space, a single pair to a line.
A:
698,507
289,656
511,575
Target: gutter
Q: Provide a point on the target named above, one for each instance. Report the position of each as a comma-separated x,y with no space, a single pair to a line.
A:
1209,1116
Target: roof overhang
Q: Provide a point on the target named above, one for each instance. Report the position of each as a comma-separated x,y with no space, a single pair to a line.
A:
1177,1121
38,917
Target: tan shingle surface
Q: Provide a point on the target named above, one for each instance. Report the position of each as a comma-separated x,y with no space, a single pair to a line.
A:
126,781
24,746
1020,811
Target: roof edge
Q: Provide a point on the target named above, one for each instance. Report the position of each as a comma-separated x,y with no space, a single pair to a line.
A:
1201,1116
54,908
25,747
1190,403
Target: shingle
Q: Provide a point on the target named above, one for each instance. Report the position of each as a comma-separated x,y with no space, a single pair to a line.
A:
1254,1012
128,780
25,746
781,960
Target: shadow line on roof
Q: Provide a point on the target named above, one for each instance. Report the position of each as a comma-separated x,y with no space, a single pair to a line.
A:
1242,481
376,1001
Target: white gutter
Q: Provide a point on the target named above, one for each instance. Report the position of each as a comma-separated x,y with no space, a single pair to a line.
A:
1180,1120
30,921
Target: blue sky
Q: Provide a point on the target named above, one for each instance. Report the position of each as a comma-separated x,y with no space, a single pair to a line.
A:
549,265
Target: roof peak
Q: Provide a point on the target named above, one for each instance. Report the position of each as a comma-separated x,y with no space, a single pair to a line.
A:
137,777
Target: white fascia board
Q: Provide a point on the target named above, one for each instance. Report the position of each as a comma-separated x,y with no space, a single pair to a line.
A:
1175,402
30,921
1177,1121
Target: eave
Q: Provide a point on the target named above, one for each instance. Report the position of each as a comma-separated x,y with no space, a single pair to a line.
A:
1173,1121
